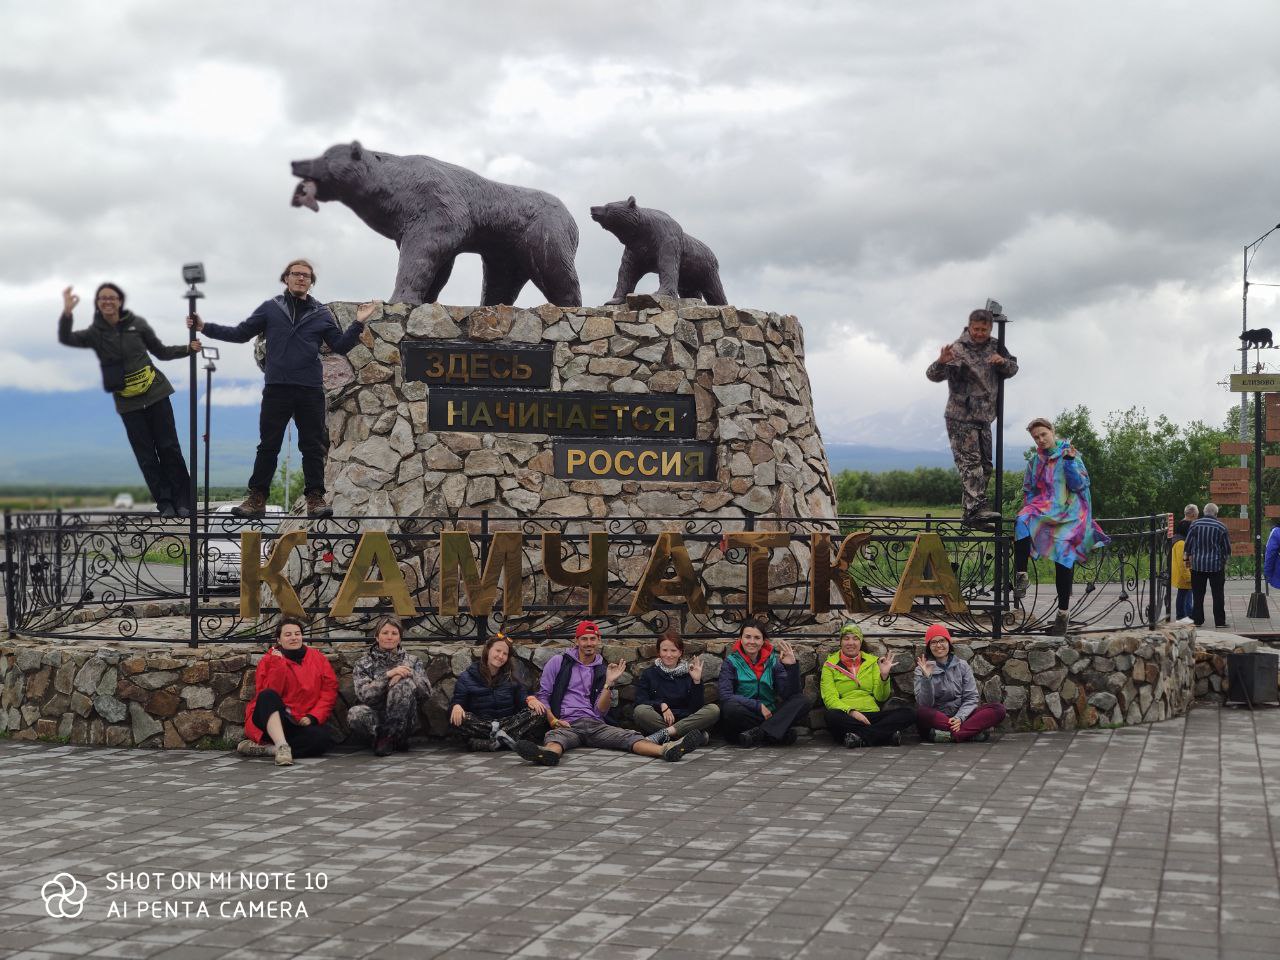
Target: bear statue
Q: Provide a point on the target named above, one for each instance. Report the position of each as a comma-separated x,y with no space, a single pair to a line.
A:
435,210
655,243
1256,338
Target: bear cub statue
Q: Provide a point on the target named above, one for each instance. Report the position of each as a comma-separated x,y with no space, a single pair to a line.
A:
655,243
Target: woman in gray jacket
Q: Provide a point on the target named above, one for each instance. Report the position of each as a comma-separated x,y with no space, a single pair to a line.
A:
947,705
124,344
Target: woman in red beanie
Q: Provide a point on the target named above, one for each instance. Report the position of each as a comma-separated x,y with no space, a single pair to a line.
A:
947,705
296,689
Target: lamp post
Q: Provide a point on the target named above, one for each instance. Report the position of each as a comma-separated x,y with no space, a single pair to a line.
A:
1258,599
193,274
998,452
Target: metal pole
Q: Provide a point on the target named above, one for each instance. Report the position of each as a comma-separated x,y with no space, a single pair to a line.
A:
193,584
998,442
1244,364
57,558
10,580
1258,601
208,425
1151,570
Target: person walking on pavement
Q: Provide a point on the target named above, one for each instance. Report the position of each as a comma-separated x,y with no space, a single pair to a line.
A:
1207,549
973,367
295,325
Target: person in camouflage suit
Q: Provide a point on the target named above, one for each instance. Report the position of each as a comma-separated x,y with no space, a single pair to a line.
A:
391,686
973,367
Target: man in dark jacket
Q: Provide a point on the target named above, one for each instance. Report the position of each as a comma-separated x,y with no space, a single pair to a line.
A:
1207,549
295,325
973,367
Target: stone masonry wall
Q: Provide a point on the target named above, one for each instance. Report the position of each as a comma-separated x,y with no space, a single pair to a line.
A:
179,697
744,369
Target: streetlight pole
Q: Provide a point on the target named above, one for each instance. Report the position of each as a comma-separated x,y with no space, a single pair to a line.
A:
1258,600
1244,348
998,443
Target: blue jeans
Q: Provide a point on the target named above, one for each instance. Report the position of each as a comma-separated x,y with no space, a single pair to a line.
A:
1182,604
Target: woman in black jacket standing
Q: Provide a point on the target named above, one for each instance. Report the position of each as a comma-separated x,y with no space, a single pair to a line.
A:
491,707
669,694
124,343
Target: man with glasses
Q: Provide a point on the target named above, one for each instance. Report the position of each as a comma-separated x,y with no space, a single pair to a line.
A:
295,325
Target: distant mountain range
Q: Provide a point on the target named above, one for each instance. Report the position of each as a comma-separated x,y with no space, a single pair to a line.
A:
77,438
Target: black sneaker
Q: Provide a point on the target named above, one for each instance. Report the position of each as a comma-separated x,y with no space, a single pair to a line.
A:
788,738
482,745
852,741
166,511
183,511
751,738
536,754
383,746
983,737
402,744
686,744
896,739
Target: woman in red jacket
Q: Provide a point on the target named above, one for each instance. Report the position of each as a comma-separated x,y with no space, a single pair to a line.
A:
296,689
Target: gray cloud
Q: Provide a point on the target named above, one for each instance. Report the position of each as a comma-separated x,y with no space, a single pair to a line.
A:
875,170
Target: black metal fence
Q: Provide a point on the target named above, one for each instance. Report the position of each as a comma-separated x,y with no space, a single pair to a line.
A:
112,576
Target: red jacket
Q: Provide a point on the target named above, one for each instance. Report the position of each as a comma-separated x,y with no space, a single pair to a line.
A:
307,688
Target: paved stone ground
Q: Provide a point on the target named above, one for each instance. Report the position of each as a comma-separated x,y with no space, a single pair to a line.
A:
1140,842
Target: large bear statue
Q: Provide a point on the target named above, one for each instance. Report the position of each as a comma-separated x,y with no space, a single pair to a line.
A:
435,210
655,243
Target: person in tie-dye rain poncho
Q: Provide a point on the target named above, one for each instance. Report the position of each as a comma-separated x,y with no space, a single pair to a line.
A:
1056,519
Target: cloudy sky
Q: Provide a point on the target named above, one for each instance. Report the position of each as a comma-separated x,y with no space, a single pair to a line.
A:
876,169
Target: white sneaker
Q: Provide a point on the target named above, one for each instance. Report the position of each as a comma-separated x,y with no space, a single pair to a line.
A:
284,755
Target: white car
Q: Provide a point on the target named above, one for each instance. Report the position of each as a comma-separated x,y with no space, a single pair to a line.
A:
123,501
223,545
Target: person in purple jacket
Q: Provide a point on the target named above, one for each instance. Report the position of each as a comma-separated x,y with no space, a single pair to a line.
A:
295,325
577,692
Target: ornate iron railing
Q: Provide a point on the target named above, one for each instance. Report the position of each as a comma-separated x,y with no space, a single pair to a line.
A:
112,576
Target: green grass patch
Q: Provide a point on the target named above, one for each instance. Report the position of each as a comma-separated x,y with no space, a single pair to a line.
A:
214,743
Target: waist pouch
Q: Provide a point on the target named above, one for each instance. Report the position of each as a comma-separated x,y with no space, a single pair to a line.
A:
112,377
137,383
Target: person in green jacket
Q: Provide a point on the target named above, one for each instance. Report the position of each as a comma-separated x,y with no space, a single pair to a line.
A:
854,687
124,344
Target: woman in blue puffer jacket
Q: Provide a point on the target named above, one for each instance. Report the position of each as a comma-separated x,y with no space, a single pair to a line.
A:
491,707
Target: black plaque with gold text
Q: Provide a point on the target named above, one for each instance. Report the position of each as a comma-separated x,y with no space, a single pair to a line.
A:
476,365
644,415
603,460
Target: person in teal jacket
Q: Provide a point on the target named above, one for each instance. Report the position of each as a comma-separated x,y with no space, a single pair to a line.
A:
855,686
761,699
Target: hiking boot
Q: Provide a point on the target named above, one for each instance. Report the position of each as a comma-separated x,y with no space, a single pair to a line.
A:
254,506
166,511
482,745
659,737
383,746
317,507
536,754
251,748
788,738
983,737
284,755
183,511
1020,583
402,744
1060,624
852,741
943,736
686,744
896,739
751,738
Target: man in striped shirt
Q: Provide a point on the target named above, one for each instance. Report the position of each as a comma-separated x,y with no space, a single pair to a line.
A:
1207,548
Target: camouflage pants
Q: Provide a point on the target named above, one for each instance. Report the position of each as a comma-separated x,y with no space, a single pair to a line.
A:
395,716
971,448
